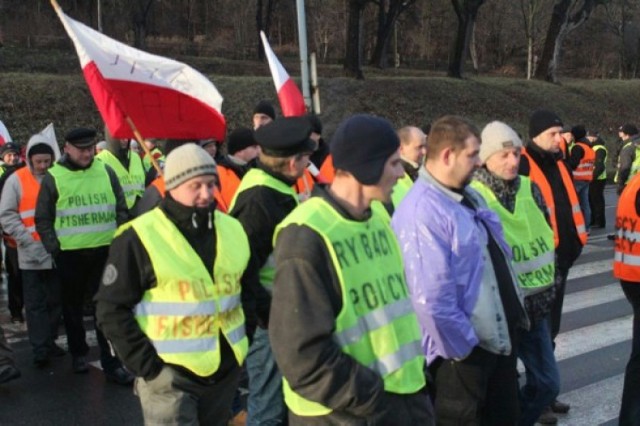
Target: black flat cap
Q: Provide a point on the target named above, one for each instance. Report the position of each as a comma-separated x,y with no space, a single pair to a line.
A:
81,137
9,147
285,137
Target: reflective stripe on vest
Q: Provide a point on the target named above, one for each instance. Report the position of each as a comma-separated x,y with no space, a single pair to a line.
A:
187,310
584,171
86,207
378,327
529,235
29,188
603,175
258,177
400,190
132,180
626,263
536,175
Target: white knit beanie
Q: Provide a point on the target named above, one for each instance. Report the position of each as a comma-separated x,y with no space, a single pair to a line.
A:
497,136
186,162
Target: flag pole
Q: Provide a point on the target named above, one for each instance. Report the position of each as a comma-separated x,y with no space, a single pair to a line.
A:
141,141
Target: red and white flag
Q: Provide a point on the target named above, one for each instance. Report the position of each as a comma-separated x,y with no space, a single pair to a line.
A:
4,134
162,97
291,100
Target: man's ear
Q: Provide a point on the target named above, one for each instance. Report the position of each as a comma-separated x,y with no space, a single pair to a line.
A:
447,156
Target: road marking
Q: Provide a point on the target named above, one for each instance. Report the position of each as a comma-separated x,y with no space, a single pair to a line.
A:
591,268
586,339
588,298
593,404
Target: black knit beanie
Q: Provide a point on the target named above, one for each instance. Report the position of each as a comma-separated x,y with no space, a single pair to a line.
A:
40,148
361,145
240,139
541,120
265,107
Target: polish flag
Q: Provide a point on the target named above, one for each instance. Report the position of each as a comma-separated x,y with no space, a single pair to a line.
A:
291,100
162,97
4,134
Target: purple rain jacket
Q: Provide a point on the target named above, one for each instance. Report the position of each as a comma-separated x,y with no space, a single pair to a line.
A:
453,289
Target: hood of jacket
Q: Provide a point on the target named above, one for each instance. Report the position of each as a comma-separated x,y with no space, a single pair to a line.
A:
42,139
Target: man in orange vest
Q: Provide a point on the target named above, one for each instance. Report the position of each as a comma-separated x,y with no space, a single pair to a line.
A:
10,162
626,267
41,285
582,160
242,151
542,162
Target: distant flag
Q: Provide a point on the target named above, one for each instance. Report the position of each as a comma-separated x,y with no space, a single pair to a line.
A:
4,134
291,100
49,134
162,97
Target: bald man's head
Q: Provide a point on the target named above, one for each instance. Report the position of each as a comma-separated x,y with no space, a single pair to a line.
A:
413,145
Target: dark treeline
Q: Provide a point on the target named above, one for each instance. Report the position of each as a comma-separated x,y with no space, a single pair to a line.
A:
542,39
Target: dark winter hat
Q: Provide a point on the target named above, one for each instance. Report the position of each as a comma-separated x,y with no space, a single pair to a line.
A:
316,124
629,129
578,132
265,107
40,148
81,137
240,139
285,137
362,144
9,147
542,120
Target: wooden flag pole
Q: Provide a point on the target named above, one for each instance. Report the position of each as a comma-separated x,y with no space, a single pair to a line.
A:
144,146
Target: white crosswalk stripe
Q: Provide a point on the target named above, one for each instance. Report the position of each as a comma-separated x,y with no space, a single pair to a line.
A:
585,299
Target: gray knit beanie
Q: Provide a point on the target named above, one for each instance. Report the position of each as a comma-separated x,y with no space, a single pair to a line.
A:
497,136
186,162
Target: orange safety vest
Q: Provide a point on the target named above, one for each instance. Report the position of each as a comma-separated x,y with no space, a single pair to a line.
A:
326,170
229,183
626,262
304,185
584,171
27,206
536,175
158,183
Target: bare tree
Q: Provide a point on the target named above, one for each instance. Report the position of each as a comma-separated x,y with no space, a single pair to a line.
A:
530,13
264,15
466,12
567,16
353,53
139,13
619,14
388,13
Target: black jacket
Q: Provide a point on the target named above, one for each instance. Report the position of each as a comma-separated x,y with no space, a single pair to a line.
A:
45,215
569,247
260,209
134,275
412,171
307,299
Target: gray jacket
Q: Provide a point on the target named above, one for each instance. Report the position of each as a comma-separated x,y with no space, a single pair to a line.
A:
31,253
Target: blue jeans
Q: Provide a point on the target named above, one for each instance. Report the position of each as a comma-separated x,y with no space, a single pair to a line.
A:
543,378
265,405
582,188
